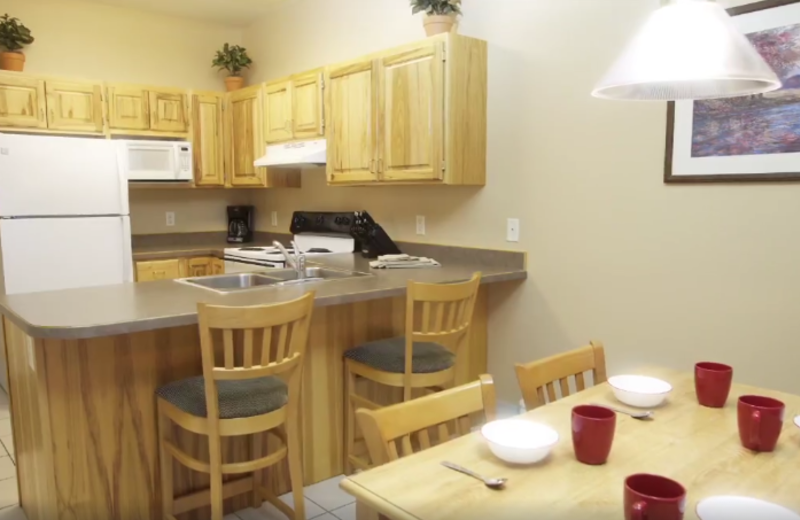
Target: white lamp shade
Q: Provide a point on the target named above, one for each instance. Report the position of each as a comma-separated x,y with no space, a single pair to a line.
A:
688,49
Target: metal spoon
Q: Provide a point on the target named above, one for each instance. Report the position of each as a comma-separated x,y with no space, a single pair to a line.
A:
647,414
492,483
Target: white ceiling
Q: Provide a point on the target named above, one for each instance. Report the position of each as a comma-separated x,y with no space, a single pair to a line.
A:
231,12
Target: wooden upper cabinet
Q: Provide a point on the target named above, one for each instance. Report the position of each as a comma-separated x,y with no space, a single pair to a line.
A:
22,102
208,146
246,120
168,111
307,103
74,107
350,108
278,111
411,114
128,108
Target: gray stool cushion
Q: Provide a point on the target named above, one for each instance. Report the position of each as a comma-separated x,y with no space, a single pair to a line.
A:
237,399
389,355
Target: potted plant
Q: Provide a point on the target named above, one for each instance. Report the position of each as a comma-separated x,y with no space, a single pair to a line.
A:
234,59
440,14
13,36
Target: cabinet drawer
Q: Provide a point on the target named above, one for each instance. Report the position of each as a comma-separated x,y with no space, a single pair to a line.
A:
158,270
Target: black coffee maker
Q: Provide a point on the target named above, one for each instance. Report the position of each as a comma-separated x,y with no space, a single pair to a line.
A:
240,224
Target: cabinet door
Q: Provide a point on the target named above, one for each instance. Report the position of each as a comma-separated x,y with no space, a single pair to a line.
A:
350,107
158,270
278,112
207,141
74,106
128,108
22,102
245,117
217,266
168,111
411,114
200,266
307,116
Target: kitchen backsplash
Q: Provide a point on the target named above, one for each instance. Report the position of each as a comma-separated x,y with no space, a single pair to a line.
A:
195,210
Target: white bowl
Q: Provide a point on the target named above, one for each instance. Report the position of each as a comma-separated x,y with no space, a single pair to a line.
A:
742,508
640,391
519,441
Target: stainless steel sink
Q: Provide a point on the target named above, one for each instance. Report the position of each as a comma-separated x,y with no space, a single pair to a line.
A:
313,274
225,283
228,283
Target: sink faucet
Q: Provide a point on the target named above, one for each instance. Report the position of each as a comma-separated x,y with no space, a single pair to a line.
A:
298,261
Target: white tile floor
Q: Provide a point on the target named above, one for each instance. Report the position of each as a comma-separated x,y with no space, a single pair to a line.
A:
324,501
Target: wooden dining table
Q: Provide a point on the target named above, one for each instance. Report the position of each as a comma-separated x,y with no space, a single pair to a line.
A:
697,446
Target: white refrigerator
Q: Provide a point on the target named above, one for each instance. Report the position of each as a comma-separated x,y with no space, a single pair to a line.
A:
64,215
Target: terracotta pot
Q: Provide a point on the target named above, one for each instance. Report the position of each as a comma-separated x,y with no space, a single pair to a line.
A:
234,83
438,24
12,61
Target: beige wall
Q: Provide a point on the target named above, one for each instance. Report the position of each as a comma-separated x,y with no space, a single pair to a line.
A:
662,274
195,210
97,41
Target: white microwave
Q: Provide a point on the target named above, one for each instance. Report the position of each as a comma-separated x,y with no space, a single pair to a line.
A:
156,161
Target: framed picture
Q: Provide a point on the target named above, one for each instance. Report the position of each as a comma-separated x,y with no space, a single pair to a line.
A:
751,138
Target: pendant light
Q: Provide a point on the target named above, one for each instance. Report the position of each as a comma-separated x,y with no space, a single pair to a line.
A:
688,49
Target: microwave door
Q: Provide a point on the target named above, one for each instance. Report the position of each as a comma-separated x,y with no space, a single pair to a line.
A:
151,162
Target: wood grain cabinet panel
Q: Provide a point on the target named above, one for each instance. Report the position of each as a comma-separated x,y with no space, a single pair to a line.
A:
307,113
128,108
411,114
22,102
168,112
208,145
159,270
74,107
217,266
350,108
246,118
278,111
200,266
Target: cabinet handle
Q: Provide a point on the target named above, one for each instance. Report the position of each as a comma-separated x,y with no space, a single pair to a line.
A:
372,165
380,165
41,115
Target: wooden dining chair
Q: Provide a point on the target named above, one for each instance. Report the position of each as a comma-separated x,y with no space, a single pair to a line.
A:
395,431
536,377
255,391
438,318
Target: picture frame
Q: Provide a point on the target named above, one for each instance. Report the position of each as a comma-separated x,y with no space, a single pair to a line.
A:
750,138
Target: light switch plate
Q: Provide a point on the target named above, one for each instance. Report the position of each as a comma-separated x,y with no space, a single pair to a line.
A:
170,218
274,219
512,231
420,224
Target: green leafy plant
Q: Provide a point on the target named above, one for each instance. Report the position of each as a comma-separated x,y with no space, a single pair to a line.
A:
232,58
13,35
436,7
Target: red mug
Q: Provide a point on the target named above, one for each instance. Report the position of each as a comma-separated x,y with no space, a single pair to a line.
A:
652,497
593,433
712,383
760,422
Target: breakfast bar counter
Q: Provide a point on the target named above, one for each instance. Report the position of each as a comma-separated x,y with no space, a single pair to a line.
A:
84,365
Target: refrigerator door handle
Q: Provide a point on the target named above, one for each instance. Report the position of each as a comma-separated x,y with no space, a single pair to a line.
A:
127,250
123,181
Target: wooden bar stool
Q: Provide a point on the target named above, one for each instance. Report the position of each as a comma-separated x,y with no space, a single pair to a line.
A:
536,377
240,396
438,318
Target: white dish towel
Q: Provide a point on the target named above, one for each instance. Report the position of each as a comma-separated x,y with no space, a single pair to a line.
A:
403,262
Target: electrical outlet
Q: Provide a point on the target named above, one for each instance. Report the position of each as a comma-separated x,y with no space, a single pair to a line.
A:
512,231
274,219
420,224
170,218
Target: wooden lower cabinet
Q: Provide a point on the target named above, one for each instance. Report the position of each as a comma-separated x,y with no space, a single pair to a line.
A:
160,270
173,268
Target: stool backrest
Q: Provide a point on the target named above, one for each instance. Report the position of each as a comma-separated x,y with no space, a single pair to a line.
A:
537,377
439,313
402,429
241,343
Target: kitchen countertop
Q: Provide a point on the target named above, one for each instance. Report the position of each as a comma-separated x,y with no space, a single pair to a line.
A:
211,248
135,307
